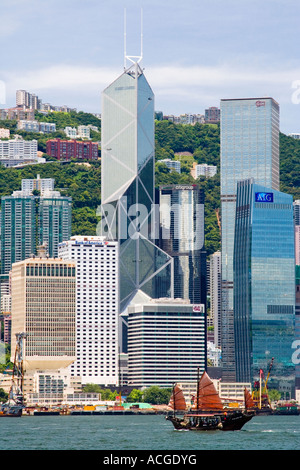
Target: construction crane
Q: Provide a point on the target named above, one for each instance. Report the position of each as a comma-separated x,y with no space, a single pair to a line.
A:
16,403
16,390
260,395
266,382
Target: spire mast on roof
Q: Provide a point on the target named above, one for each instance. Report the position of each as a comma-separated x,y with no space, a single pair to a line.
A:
132,58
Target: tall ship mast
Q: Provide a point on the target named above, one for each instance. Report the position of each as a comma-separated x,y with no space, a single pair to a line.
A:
15,404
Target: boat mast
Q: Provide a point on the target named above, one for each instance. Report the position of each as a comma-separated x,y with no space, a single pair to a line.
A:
16,390
120,386
260,372
174,400
198,387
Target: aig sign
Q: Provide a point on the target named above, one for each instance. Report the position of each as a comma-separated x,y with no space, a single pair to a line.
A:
263,197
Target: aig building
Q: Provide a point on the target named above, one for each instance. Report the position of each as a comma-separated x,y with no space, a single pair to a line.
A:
264,280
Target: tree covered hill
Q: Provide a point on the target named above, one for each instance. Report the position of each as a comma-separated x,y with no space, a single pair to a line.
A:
199,143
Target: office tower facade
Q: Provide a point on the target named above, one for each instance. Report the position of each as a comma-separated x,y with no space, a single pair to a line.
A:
166,342
28,221
296,345
43,292
182,237
264,283
296,206
249,149
127,183
215,295
97,308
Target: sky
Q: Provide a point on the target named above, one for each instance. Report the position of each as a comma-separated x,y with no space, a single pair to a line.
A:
195,52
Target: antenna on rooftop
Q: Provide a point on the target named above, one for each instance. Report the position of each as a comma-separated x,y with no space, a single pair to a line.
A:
132,58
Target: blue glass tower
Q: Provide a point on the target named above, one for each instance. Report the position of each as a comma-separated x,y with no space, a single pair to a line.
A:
264,283
249,149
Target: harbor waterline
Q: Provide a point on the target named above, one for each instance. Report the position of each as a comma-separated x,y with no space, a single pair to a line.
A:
139,432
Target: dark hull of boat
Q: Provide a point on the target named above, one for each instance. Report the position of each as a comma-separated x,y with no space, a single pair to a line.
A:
11,412
224,422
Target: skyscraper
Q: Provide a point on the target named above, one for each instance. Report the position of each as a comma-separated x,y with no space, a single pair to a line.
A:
97,308
127,183
296,206
166,342
264,283
29,220
182,237
18,229
249,149
43,294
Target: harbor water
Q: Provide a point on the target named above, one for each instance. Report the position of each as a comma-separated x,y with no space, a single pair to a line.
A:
149,432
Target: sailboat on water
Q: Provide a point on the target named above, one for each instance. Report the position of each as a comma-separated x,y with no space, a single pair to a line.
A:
208,412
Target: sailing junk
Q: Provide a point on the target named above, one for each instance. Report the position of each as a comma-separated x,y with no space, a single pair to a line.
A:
208,412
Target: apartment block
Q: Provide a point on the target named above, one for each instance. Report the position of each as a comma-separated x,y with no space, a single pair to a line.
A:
36,126
203,169
67,149
17,151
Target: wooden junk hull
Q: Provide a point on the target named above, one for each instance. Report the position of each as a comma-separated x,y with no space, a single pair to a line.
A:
230,421
11,411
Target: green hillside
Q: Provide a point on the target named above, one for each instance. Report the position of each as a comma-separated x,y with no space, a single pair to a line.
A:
199,143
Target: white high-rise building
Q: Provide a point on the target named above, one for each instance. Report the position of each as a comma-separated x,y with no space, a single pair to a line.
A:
97,310
203,169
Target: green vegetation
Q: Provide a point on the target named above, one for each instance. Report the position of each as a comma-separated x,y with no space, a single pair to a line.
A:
199,143
274,395
62,120
72,119
154,395
3,396
79,180
8,365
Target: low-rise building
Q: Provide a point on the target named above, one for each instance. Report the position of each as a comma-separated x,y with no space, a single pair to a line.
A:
4,133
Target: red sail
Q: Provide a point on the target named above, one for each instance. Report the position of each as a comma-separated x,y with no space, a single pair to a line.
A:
249,403
207,397
177,400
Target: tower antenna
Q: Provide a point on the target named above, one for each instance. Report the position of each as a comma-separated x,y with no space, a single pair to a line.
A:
132,58
125,38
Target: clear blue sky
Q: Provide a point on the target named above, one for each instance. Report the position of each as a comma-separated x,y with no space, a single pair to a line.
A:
195,52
